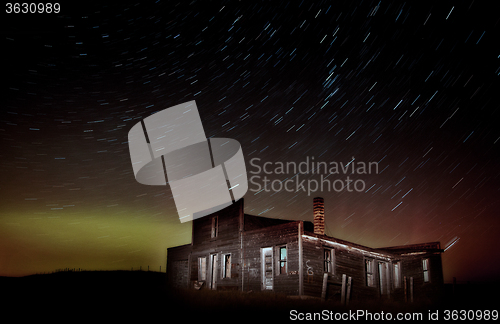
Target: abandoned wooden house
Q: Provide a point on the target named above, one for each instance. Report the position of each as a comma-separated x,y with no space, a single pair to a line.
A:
233,250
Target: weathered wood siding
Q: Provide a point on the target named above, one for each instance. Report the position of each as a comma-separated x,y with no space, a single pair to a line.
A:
244,236
275,237
227,241
412,267
178,266
180,274
346,260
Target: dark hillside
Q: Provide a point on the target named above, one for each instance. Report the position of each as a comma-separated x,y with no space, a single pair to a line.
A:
79,284
88,294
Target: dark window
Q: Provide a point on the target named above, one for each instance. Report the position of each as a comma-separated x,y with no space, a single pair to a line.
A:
215,226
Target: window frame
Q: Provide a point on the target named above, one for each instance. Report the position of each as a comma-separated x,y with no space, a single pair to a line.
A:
280,269
426,270
226,268
396,266
329,265
215,227
370,277
202,270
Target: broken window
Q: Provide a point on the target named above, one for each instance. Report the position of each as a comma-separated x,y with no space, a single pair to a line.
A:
397,274
369,270
267,268
425,267
215,226
328,257
282,262
202,269
226,270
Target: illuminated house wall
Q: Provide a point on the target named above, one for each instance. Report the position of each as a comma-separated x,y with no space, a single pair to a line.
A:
231,250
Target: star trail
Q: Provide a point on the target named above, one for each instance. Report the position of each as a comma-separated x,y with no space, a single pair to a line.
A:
412,86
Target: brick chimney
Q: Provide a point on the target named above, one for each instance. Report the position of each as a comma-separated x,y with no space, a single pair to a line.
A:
319,215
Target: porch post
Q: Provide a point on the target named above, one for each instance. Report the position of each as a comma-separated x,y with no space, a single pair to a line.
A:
301,263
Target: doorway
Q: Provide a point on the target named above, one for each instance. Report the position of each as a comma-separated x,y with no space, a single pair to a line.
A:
384,279
213,271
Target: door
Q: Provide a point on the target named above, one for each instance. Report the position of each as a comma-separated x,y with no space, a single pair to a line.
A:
384,282
267,268
213,271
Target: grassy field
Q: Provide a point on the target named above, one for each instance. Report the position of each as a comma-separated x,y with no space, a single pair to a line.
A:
143,295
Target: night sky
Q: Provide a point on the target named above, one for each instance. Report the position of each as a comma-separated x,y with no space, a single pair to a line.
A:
413,86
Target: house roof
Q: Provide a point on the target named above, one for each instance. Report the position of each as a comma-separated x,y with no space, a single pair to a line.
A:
414,248
253,222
